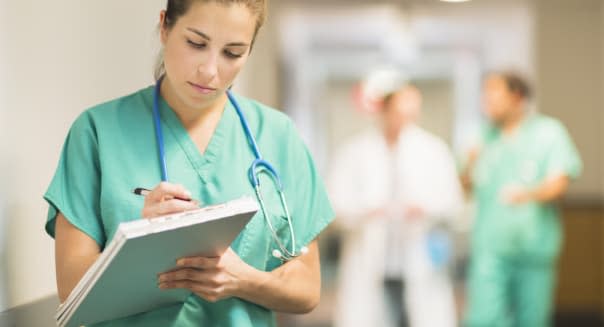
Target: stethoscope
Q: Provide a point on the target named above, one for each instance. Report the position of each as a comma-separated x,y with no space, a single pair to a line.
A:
257,166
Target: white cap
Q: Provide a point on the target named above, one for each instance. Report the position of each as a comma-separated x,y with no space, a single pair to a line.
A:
382,82
377,85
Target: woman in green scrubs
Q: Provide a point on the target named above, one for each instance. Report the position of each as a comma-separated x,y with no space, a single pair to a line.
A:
525,163
111,149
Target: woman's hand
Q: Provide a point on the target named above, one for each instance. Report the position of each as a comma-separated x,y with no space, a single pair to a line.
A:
294,287
212,279
163,200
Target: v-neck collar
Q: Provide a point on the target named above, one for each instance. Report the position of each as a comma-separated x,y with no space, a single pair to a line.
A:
200,162
518,133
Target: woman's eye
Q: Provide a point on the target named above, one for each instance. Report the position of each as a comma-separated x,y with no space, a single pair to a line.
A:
196,45
232,55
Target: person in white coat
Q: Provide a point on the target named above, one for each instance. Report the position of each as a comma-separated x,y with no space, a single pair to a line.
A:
390,187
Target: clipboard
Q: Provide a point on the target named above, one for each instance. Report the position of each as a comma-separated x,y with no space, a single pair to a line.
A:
123,280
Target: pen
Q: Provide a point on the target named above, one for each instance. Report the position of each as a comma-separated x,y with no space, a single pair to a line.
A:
143,191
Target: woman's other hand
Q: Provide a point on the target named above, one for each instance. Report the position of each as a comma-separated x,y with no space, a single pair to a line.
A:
211,278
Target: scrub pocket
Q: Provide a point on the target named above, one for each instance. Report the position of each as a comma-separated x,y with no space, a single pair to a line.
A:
257,242
518,229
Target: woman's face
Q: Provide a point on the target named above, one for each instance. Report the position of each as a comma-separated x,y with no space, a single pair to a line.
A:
205,50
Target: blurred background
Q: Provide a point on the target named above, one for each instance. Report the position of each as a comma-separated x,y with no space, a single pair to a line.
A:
58,58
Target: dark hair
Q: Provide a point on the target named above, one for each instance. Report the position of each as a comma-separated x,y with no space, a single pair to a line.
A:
516,83
178,8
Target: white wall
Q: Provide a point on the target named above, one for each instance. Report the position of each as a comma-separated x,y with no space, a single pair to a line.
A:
58,58
260,76
570,65
501,29
472,38
3,85
602,154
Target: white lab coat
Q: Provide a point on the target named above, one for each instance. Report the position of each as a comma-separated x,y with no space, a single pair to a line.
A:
427,177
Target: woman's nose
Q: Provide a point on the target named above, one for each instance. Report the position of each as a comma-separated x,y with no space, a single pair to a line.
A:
208,68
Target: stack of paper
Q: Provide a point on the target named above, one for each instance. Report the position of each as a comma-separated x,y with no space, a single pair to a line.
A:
123,280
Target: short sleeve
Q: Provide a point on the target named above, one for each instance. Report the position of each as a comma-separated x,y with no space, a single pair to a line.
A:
307,191
75,188
563,157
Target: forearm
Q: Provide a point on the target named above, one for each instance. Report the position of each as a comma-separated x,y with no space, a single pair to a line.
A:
293,288
465,178
465,175
551,190
69,273
75,252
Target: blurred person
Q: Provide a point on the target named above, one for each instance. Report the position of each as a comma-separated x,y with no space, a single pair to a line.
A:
525,164
389,187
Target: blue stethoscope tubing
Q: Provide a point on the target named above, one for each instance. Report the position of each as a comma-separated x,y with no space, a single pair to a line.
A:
259,164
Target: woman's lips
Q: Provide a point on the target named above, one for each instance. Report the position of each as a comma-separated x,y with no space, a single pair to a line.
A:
202,89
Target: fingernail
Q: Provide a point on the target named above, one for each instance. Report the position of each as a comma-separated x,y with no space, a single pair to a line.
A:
179,262
188,194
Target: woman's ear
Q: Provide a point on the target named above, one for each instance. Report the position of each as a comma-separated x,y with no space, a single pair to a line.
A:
163,29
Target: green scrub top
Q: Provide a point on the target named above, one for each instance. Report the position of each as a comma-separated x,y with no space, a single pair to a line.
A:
111,149
541,147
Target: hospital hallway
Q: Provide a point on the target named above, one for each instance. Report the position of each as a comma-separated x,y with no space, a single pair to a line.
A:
315,60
